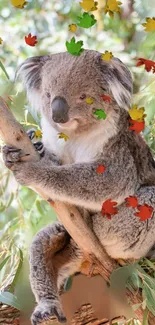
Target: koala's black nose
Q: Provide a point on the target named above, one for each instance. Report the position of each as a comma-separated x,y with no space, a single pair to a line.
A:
60,110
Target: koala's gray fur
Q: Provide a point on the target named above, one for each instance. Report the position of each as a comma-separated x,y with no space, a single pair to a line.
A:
60,81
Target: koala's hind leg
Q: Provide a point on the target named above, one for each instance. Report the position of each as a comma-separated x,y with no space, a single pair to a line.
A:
53,257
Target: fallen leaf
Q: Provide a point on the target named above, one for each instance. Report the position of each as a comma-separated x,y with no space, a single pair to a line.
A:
149,25
145,212
100,169
89,5
149,64
112,6
106,98
100,114
137,114
63,136
1,41
72,28
38,134
86,21
131,201
31,40
107,56
136,126
73,47
108,208
89,100
19,3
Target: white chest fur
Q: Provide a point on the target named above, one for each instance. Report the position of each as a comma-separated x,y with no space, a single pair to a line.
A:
77,149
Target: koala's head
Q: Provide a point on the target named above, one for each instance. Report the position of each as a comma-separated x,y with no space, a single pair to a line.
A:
57,85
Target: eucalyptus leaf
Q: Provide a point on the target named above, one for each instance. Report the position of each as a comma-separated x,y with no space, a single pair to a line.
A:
145,317
8,298
4,70
68,283
4,262
148,289
13,284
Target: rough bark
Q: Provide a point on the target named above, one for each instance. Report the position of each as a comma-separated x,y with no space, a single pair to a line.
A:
13,134
85,315
9,315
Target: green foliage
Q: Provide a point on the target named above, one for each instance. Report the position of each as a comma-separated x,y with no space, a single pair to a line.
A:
135,277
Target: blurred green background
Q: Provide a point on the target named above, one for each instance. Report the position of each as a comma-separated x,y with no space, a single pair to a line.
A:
22,212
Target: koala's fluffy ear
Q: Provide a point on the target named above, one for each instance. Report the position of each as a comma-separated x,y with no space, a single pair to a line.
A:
118,78
30,73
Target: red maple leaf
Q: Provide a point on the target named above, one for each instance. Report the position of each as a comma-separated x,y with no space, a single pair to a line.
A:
136,126
108,208
106,98
31,40
131,201
149,65
145,212
100,169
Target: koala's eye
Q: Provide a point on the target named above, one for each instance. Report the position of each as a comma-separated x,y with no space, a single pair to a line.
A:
83,96
48,95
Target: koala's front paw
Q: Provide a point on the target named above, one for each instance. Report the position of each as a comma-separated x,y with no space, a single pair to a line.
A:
24,171
12,155
47,309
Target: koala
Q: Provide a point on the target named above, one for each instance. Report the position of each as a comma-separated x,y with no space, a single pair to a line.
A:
57,86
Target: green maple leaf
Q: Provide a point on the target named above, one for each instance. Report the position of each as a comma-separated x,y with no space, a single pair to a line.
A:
86,20
73,47
100,114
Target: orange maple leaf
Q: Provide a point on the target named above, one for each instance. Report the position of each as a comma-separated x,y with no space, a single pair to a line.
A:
108,208
106,98
131,201
100,169
31,40
149,65
136,126
145,212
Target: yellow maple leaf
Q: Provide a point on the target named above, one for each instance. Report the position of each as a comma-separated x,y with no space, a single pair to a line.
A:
19,3
63,136
38,134
112,6
107,56
89,5
150,24
1,41
89,100
72,28
137,114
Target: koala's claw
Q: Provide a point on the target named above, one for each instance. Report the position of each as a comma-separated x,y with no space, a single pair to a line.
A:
44,311
12,155
38,145
31,134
